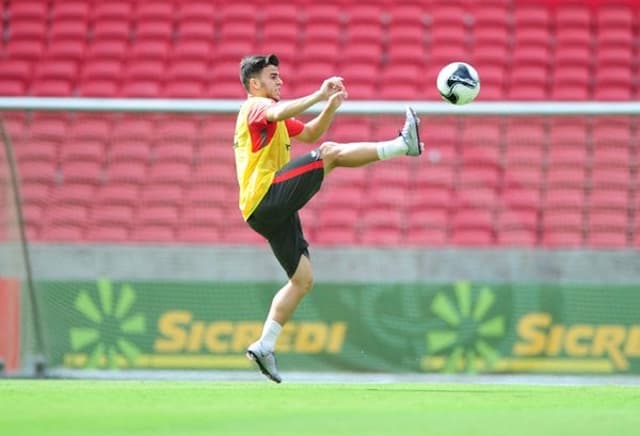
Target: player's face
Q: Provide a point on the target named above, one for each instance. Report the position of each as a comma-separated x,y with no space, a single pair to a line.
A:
270,82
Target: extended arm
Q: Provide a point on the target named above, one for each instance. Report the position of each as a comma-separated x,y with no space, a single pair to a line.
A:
283,110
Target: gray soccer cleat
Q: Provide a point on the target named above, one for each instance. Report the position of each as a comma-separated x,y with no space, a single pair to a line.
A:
266,362
411,134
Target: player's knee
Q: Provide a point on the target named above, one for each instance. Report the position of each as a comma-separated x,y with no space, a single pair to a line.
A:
302,279
303,282
329,152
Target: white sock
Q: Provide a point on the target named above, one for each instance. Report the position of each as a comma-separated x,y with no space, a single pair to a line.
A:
395,147
270,333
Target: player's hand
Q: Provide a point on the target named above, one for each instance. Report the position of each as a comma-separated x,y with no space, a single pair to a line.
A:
331,86
336,99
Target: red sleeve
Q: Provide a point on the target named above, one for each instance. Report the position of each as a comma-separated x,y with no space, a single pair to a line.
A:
294,127
257,118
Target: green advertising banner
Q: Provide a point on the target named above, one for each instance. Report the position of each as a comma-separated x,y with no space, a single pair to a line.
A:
459,327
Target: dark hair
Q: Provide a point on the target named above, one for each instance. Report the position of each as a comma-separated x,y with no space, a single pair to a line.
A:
252,66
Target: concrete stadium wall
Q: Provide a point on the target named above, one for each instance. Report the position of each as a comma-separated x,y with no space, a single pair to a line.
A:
353,265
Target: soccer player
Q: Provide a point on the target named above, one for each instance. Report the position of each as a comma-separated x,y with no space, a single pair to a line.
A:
273,188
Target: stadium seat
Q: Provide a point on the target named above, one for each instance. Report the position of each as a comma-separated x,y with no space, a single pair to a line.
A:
475,196
149,49
51,88
237,232
67,214
572,16
83,150
191,49
36,150
382,226
161,195
109,215
528,81
106,49
562,229
472,226
38,171
566,177
127,172
26,50
530,15
558,198
112,10
517,237
614,16
68,29
90,128
611,177
173,150
117,193
77,171
62,232
70,10
108,233
522,197
571,83
607,239
112,30
153,234
170,173
609,198
33,219
35,193
132,128
49,128
128,150
440,174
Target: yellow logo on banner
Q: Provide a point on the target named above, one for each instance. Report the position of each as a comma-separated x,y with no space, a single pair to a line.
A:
180,332
539,336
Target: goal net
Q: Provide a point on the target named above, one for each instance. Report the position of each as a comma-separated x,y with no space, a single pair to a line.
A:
138,258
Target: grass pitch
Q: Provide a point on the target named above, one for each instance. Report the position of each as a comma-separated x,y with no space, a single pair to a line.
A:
158,408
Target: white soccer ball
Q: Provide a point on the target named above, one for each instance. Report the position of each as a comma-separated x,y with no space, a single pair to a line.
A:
458,83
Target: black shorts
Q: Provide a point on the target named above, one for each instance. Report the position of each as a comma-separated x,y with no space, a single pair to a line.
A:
276,217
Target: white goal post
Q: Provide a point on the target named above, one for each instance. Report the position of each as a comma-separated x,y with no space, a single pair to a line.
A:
372,107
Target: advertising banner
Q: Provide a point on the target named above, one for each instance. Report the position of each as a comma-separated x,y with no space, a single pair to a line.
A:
435,328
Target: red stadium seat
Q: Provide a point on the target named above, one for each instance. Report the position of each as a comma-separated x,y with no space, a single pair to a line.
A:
126,150
127,172
382,227
82,172
70,10
569,177
112,30
115,193
36,150
562,228
154,233
170,172
570,16
38,171
109,233
107,214
161,195
35,193
89,128
557,198
173,150
83,150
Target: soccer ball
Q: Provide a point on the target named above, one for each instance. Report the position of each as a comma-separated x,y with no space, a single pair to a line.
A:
458,83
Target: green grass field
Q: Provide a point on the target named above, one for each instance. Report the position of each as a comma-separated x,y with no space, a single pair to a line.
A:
96,408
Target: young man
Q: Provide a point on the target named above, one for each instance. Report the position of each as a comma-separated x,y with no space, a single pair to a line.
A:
273,188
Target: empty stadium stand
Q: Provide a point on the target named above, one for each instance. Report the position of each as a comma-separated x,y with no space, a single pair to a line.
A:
522,182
